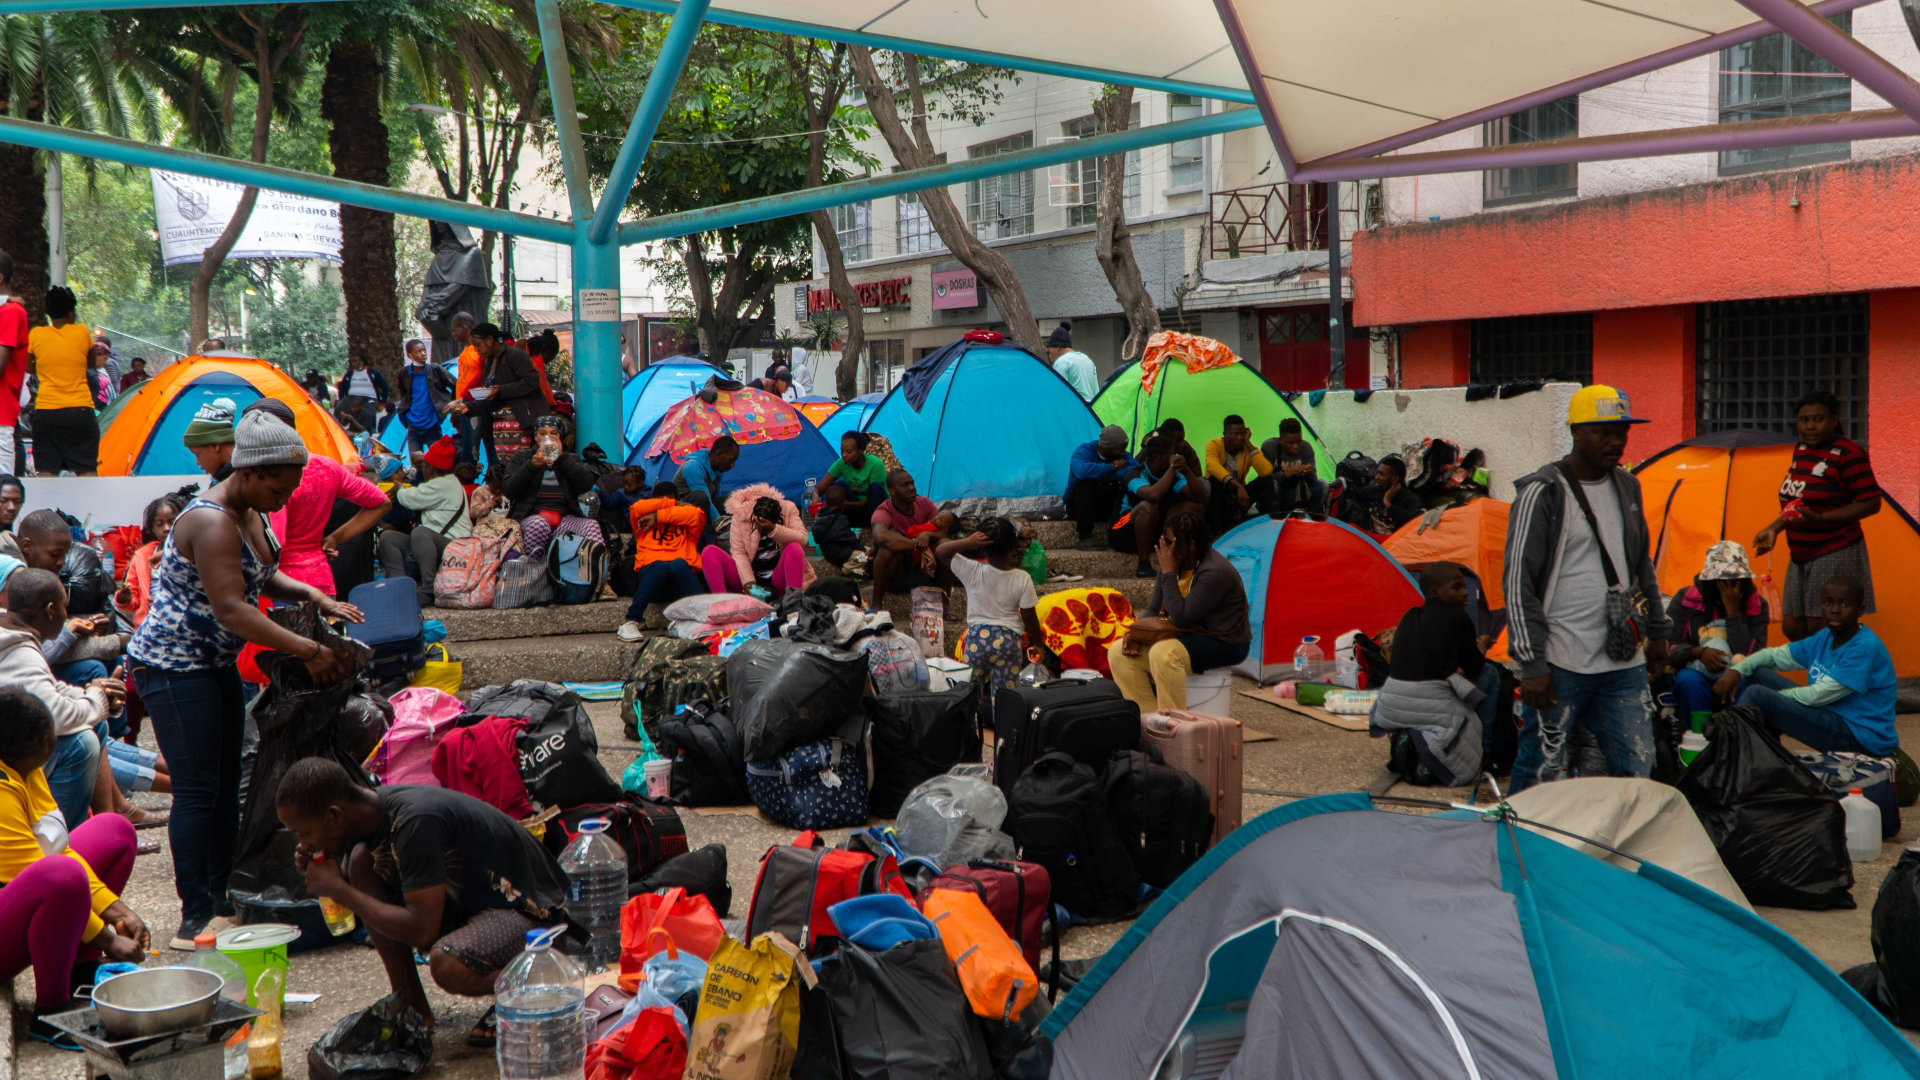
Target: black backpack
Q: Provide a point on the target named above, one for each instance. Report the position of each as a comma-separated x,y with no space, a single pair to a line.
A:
1058,813
1356,469
709,765
647,832
703,871
1162,814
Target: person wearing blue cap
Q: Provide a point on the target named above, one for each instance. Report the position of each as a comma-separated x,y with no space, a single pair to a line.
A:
1584,619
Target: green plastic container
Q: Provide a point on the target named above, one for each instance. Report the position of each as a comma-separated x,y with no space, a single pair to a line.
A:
1700,718
1313,693
259,947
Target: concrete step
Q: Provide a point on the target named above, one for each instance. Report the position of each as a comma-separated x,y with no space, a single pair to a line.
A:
486,624
575,658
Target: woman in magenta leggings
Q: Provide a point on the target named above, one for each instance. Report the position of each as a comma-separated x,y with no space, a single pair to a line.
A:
768,542
62,912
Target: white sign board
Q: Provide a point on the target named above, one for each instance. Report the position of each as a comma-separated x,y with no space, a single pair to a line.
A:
599,305
193,211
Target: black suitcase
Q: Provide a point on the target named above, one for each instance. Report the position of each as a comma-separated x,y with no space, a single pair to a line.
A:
1088,720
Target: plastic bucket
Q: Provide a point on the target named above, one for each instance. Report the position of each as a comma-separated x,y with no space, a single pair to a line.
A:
1690,746
944,673
1210,692
659,774
256,948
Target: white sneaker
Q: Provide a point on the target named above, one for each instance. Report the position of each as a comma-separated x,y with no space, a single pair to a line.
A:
629,631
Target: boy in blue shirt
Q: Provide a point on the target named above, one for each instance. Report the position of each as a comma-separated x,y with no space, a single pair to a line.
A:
1848,701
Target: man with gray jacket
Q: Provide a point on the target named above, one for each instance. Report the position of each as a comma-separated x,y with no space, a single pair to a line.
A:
1584,617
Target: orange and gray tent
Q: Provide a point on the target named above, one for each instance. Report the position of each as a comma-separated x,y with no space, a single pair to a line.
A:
1474,535
140,431
1726,486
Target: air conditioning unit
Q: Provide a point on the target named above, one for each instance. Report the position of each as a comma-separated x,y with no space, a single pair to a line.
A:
1207,1045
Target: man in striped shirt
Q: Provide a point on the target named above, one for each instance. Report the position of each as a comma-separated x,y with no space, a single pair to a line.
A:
1827,491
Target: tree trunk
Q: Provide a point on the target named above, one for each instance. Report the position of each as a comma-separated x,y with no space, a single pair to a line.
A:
1111,243
357,142
915,151
23,216
820,109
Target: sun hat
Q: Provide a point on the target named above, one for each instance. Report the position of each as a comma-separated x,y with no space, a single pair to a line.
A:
1726,561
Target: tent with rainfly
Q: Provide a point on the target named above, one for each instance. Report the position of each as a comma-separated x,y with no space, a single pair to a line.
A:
1473,534
140,431
1142,394
1725,486
1327,938
850,417
650,392
988,424
1312,577
778,446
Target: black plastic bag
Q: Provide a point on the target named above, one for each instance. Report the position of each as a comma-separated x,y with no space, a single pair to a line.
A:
1016,1048
785,693
1780,832
901,1015
87,581
817,1056
1892,982
559,752
702,871
385,1041
917,736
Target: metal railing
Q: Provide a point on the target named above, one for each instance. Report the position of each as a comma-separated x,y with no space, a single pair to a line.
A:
1268,218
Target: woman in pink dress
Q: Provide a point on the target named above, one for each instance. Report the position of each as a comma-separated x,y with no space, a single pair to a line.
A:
301,526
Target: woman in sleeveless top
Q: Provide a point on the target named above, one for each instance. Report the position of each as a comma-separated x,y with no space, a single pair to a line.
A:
219,560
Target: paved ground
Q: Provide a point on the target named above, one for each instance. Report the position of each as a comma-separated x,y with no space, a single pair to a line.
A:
1304,756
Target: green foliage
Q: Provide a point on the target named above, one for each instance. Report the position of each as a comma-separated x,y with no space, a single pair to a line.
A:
295,322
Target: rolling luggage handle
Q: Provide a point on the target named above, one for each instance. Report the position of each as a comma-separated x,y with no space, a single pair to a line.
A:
1053,981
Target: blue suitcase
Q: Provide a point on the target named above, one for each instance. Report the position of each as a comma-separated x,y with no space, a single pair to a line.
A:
393,627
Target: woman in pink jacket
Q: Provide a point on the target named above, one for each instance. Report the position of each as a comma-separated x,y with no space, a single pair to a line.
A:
768,541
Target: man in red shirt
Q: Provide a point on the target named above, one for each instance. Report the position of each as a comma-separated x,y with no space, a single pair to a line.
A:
907,530
13,361
1828,489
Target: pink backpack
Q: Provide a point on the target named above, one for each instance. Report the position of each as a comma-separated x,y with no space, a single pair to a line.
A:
469,572
421,716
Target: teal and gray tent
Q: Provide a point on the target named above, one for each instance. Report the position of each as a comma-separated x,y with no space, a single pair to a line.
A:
1330,939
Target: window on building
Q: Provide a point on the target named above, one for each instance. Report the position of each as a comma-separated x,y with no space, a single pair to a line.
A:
1001,206
1076,184
1754,358
853,224
1557,347
886,362
913,230
1554,120
1774,77
1188,159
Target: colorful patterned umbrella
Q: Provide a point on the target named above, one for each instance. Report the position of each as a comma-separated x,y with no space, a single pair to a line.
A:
750,416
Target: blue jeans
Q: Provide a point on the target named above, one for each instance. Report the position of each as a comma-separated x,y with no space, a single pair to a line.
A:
420,440
861,517
133,768
1693,692
1308,495
79,673
197,720
663,582
467,435
1614,707
1818,727
72,770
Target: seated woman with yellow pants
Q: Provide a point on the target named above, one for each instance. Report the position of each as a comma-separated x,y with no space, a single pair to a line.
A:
1200,592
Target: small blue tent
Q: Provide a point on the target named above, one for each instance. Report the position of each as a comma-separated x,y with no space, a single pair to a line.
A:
788,464
849,417
1326,938
654,389
975,421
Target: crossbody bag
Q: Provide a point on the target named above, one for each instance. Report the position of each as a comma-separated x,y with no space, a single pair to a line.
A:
1626,605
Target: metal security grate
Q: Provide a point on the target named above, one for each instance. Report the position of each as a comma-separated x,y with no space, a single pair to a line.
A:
1754,359
1532,347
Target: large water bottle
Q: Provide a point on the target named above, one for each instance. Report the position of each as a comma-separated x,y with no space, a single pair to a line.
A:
540,1005
1863,826
596,887
207,957
1309,663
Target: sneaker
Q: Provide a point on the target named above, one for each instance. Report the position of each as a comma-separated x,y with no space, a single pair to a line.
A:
629,631
189,929
1144,569
1062,578
1091,543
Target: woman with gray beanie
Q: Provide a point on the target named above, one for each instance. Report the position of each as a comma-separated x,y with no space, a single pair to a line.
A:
219,560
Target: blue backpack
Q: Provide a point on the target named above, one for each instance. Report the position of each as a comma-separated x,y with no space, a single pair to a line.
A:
577,566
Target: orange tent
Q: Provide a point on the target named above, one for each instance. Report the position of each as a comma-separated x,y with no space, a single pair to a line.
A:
1726,486
140,431
1475,536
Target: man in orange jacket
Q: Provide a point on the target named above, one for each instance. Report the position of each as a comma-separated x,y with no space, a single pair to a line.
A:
471,367
666,548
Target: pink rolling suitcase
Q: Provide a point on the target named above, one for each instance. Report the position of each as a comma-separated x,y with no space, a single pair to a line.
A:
1208,749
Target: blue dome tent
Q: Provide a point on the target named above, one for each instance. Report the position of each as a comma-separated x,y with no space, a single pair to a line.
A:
990,425
849,417
786,464
1329,938
651,391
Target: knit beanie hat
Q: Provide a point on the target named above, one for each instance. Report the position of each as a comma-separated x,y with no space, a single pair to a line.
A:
212,425
272,406
1062,337
263,441
1113,437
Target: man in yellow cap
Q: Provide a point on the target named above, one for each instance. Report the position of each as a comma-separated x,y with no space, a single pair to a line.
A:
1584,617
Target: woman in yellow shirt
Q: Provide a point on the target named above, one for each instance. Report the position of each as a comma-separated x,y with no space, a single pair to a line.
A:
66,433
60,907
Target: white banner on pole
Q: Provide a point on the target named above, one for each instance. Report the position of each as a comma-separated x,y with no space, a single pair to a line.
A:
192,212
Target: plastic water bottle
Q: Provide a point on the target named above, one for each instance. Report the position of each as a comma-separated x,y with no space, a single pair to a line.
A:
1309,663
1863,826
207,957
540,1002
596,887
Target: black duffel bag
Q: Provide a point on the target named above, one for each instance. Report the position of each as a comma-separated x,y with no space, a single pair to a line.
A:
784,693
917,736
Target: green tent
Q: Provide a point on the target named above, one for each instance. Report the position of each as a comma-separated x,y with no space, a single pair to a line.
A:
1202,401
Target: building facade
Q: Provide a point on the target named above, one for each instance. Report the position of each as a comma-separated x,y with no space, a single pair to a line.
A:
1713,288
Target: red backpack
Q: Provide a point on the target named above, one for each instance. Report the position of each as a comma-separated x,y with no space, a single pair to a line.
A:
798,883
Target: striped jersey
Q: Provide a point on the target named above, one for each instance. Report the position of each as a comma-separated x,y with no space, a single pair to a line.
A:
1822,479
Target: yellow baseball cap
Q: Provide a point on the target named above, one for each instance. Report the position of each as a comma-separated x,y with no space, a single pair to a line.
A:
1600,405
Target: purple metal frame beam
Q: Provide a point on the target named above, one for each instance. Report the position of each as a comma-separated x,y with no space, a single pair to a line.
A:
1262,94
1604,77
1747,135
1842,50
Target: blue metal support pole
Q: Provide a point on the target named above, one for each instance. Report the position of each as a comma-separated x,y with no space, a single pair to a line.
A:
238,171
820,198
597,374
566,115
950,52
646,118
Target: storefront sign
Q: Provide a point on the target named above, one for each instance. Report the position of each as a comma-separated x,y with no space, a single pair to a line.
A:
872,294
955,289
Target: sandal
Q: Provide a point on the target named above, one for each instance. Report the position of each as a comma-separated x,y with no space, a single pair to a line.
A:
51,1035
147,819
485,1030
149,846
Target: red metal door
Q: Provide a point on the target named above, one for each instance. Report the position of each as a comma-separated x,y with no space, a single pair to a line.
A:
1294,353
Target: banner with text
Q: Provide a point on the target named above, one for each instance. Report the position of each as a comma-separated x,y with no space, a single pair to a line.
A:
193,211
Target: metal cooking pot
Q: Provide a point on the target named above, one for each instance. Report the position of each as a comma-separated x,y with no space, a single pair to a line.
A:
156,1001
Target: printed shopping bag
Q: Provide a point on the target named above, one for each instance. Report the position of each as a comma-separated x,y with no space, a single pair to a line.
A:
749,1020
